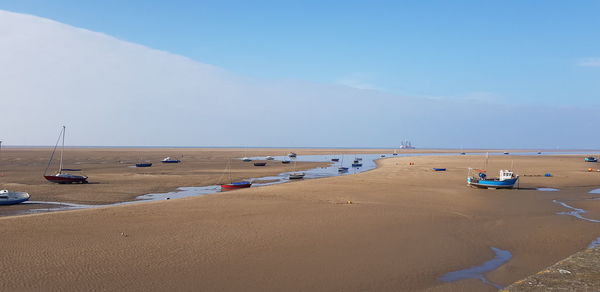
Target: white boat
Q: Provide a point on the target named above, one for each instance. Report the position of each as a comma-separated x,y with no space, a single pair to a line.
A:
10,198
246,159
269,158
170,160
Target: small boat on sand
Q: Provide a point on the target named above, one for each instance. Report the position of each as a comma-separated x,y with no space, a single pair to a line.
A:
463,153
143,164
292,154
506,180
260,163
591,159
286,161
506,153
335,159
439,169
12,198
356,163
246,159
296,175
269,158
170,160
236,185
62,177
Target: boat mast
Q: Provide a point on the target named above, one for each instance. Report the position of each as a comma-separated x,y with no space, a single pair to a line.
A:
62,150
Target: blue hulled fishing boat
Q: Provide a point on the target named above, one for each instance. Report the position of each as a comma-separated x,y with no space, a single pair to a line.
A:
506,180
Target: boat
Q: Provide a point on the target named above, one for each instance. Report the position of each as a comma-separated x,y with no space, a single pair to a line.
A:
246,159
342,169
292,154
269,158
539,153
143,164
462,153
335,159
591,159
296,175
356,163
170,160
234,185
382,155
260,163
62,177
439,169
12,198
506,180
506,153
359,158
286,161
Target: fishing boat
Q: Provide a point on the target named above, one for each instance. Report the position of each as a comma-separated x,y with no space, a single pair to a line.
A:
269,158
246,159
591,159
286,161
292,154
335,159
62,177
143,164
260,163
356,163
233,185
439,169
170,160
11,198
506,180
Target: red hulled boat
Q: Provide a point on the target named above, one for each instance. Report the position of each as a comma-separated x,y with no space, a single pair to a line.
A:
62,177
236,185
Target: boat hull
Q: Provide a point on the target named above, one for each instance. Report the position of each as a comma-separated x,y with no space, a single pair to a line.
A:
356,164
143,164
260,163
75,179
13,198
171,161
285,161
235,186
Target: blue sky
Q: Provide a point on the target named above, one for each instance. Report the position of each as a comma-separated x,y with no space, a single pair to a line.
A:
519,52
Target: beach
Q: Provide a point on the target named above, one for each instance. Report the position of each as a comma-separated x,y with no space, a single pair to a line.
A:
399,227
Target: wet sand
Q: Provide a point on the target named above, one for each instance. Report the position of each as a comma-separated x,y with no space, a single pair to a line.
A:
396,228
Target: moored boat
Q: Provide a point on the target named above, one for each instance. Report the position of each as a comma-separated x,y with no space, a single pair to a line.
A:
236,185
269,158
342,169
246,159
12,198
143,164
260,163
506,180
591,159
170,160
296,175
439,169
356,163
62,177
335,159
292,154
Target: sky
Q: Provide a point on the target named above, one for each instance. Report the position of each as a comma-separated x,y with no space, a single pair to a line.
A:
302,73
525,52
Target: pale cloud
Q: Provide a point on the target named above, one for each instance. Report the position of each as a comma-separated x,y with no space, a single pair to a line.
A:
358,80
589,62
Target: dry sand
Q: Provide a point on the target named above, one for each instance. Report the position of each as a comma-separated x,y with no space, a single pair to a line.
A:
406,226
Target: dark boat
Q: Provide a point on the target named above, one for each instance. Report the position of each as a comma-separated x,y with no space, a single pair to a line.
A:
342,169
11,198
236,185
356,163
144,164
170,160
260,163
335,159
292,154
506,153
439,169
462,153
285,161
62,177
591,159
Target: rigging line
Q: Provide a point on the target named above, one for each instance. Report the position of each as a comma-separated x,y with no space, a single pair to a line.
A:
53,151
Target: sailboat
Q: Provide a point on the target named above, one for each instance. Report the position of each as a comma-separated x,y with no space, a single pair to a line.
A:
234,185
11,198
341,168
296,175
62,177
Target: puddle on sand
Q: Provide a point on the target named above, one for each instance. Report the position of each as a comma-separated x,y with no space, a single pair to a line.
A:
594,242
502,256
548,189
596,191
575,213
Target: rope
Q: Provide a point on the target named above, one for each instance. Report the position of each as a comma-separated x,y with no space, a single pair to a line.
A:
53,151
